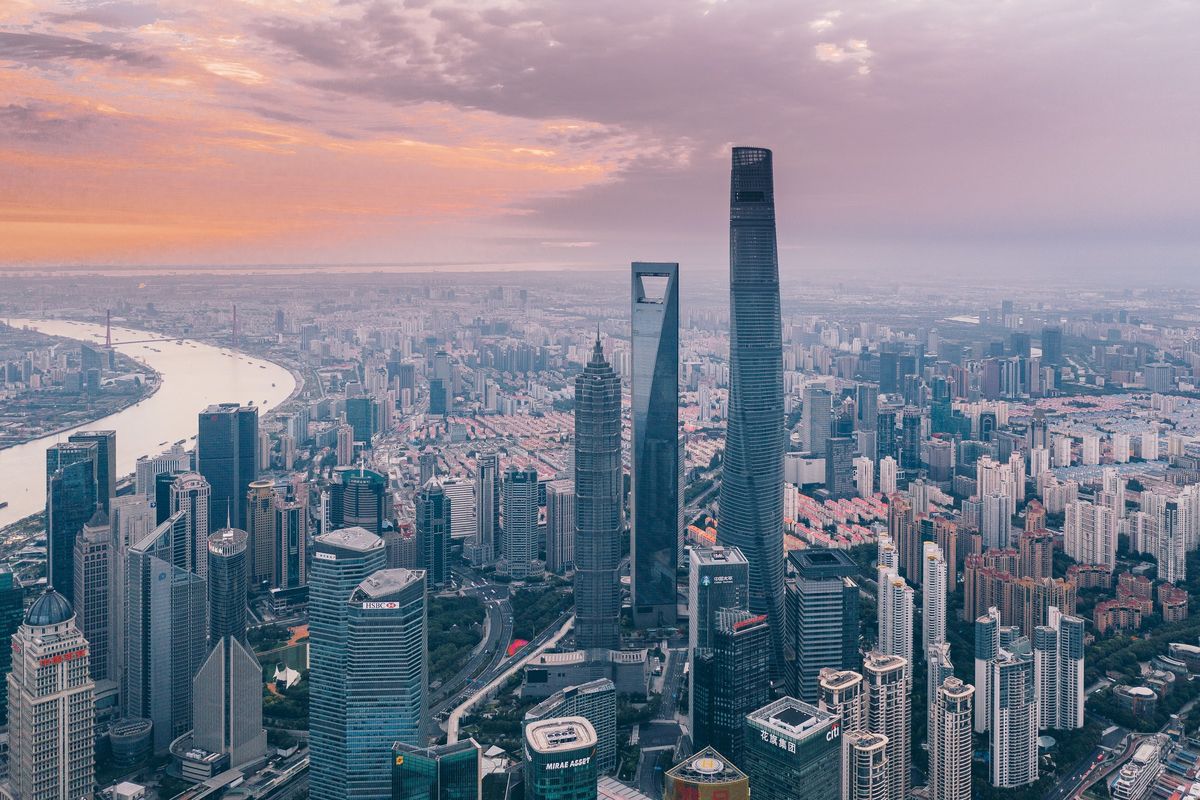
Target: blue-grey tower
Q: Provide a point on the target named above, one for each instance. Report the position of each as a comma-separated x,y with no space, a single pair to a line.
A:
342,560
751,512
655,400
598,508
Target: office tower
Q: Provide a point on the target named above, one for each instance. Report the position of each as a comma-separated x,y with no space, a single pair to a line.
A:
654,398
910,439
1058,671
718,577
290,512
439,772
433,533
826,616
790,744
521,522
12,612
70,502
889,713
345,446
386,677
487,511
227,457
191,494
1090,533
839,467
941,460
950,749
866,406
599,488
162,495
595,701
817,425
148,468
1014,717
93,553
896,619
361,416
358,499
50,705
865,770
934,588
427,464
260,526
844,695
227,557
752,482
560,525
106,462
1052,346
560,760
342,560
706,775
461,494
732,679
166,626
227,689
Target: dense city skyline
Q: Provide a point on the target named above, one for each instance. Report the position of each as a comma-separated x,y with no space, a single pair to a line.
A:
922,136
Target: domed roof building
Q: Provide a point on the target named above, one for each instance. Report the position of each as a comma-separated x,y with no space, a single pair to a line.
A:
48,610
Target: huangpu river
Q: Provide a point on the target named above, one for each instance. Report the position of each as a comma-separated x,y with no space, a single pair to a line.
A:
194,375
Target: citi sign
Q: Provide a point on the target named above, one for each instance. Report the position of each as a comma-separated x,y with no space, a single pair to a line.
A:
835,730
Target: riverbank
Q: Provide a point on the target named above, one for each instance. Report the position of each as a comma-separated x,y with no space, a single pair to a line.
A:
192,376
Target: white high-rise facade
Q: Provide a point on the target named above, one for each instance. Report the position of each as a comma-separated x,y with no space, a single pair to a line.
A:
995,524
889,713
896,619
888,471
1058,671
1090,533
1014,717
950,748
51,706
933,597
864,476
865,767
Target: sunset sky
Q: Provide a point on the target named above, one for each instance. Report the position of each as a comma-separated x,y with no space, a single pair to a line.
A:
1037,136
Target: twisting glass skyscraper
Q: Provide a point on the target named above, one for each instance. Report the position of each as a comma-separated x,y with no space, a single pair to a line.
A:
655,400
598,510
751,514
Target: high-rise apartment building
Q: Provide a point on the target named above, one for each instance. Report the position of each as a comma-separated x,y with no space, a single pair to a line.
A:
227,456
599,488
752,481
824,613
654,397
1058,671
895,623
1090,534
889,713
790,744
560,525
865,773
950,747
50,705
342,560
1014,716
844,694
934,597
521,522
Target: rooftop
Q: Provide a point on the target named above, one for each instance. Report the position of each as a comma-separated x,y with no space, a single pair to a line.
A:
387,582
359,539
564,734
791,717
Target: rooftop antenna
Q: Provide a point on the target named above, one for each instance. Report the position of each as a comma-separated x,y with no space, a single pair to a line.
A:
228,512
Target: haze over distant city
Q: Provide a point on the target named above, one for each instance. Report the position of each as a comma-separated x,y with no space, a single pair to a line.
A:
1023,139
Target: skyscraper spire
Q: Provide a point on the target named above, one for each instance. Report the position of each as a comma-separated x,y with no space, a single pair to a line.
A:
751,511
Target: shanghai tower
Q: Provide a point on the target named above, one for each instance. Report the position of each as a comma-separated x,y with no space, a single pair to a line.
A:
599,486
751,510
